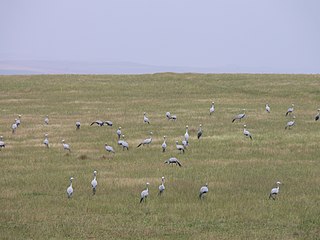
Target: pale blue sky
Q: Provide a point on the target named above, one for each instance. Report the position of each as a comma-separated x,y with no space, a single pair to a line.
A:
263,35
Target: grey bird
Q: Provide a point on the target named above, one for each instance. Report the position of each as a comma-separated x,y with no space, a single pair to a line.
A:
147,141
239,116
275,191
203,190
2,144
144,194
172,161
199,134
78,124
290,124
290,110
102,123
94,182
316,118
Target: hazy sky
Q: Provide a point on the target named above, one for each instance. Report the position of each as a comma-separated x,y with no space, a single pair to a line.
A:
266,35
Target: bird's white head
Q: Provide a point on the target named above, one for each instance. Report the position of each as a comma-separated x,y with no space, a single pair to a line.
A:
187,126
71,178
46,135
147,183
244,126
278,183
151,133
119,127
212,102
164,137
162,178
19,116
206,184
318,109
63,141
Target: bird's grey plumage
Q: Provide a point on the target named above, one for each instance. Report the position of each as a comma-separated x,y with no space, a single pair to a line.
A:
46,140
147,141
212,108
78,124
290,124
124,144
109,148
239,116
164,144
145,118
70,189
199,134
14,126
94,183
168,115
161,186
246,132
186,135
173,160
290,110
119,133
18,120
2,144
268,109
102,123
180,147
275,191
66,146
144,194
46,120
203,190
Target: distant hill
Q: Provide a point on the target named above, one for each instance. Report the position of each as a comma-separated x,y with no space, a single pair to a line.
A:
21,67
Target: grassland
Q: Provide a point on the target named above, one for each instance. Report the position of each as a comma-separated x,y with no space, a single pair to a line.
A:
240,172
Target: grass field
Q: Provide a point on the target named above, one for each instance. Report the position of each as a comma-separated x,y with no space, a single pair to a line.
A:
240,172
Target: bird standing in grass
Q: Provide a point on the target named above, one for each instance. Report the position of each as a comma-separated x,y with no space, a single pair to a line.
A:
161,186
246,132
94,182
290,124
275,191
316,118
186,135
239,116
119,133
180,147
66,146
147,141
18,120
168,115
46,120
203,190
2,144
267,108
14,126
124,144
173,160
164,144
211,110
290,110
144,194
199,131
145,118
46,140
70,189
109,148
78,124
